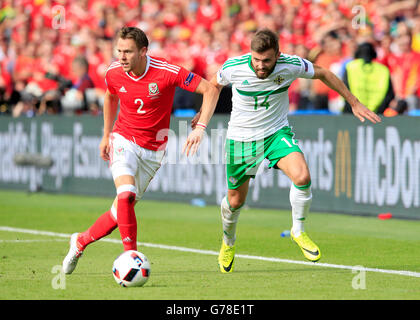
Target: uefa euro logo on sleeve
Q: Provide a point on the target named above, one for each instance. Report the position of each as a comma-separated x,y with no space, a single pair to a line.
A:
189,79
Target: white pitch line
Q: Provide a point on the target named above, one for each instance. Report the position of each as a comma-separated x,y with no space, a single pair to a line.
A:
215,253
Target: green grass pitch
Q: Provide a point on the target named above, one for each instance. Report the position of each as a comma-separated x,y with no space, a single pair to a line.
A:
29,259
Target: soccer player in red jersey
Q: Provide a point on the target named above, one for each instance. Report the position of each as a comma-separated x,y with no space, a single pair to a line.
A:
135,144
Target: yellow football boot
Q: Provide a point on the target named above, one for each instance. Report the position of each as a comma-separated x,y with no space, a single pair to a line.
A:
309,249
226,258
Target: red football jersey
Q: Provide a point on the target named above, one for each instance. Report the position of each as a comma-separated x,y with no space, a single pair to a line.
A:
146,101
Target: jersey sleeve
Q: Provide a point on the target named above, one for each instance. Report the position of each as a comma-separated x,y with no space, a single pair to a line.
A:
187,80
306,69
108,82
224,76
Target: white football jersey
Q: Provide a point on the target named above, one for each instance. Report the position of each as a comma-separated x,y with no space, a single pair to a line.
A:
260,106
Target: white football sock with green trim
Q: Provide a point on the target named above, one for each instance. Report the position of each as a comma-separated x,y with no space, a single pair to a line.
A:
300,199
229,220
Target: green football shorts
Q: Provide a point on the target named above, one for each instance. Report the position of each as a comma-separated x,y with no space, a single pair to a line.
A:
244,158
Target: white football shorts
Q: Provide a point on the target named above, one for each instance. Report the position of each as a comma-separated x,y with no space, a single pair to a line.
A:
128,158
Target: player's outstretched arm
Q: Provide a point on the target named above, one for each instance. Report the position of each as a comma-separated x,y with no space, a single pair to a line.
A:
197,116
331,80
110,111
210,93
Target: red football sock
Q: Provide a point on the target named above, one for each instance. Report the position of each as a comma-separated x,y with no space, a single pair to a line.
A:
102,227
126,218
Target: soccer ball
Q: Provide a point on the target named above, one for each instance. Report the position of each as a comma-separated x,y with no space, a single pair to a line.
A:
131,269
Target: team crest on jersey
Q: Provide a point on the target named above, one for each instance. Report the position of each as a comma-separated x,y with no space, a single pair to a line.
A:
279,80
233,180
153,89
119,151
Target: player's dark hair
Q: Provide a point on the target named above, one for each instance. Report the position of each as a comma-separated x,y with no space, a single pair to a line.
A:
136,34
264,40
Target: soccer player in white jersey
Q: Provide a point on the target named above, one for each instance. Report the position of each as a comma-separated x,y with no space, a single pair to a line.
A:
259,129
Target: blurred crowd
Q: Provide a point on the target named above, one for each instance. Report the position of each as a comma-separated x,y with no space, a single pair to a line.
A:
54,54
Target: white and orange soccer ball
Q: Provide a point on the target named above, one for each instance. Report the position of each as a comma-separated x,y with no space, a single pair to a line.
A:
131,269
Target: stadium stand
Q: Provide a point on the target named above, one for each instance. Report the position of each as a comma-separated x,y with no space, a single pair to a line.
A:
41,39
